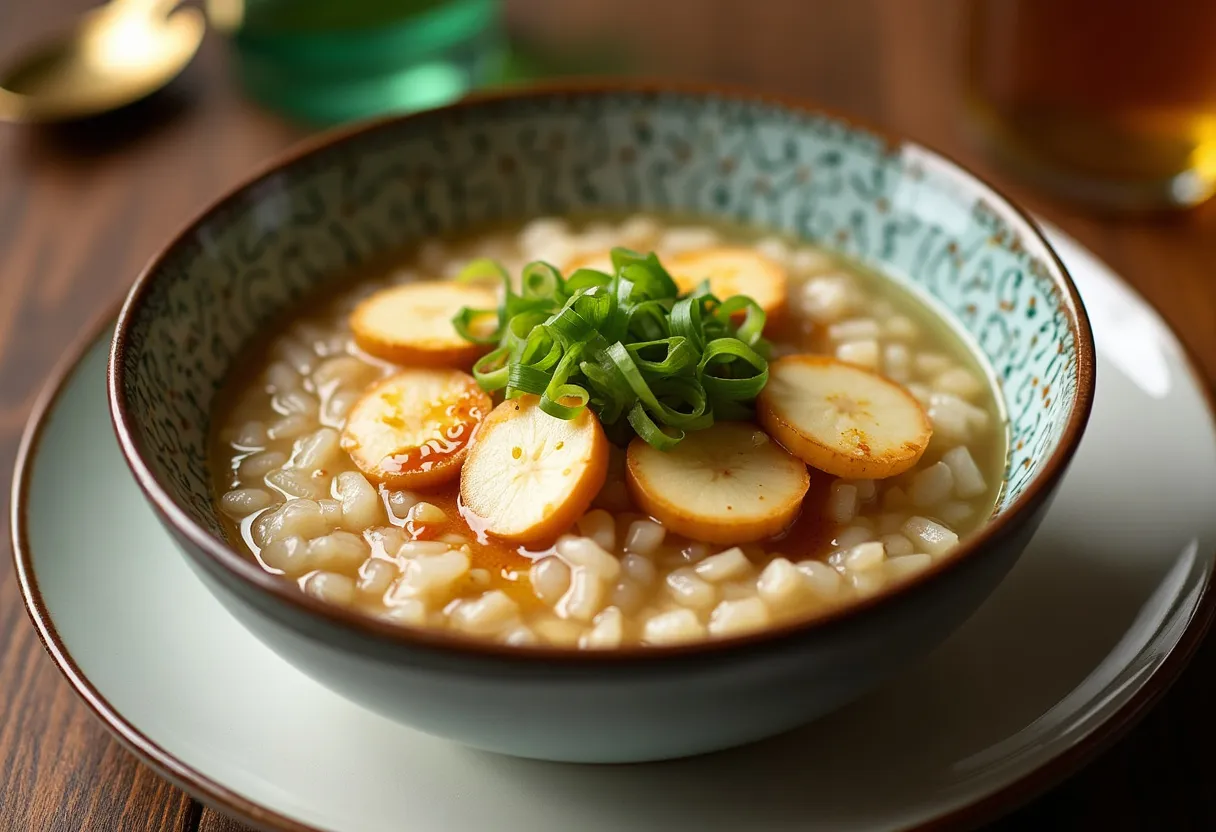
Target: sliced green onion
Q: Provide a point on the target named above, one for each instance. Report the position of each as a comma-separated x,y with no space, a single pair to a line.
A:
685,321
732,370
524,378
750,330
644,359
645,427
463,323
678,356
556,399
586,279
483,268
491,370
541,280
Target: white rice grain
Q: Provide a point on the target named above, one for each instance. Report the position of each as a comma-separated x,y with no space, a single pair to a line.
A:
863,556
842,502
296,402
242,502
853,536
807,261
780,584
338,551
431,577
958,381
863,353
558,632
932,485
774,248
724,566
257,466
400,503
929,537
901,328
896,545
521,635
550,578
331,510
409,612
955,420
866,489
337,406
317,450
639,569
361,506
297,482
427,514
644,537
291,427
330,587
897,363
828,299
281,377
586,553
821,579
931,364
673,627
423,548
384,541
599,526
606,631
628,595
867,583
968,479
486,615
343,372
301,518
586,597
855,329
732,618
688,589
289,555
375,577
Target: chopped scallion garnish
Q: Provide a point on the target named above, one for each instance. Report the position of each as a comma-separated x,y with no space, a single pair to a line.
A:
626,344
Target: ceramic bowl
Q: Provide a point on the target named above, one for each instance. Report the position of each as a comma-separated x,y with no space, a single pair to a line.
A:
353,195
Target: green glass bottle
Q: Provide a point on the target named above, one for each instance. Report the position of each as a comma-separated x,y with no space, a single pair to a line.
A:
328,61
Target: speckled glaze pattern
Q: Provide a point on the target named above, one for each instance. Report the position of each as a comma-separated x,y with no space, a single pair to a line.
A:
895,207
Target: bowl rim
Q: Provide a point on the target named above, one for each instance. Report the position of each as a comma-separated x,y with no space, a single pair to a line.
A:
245,571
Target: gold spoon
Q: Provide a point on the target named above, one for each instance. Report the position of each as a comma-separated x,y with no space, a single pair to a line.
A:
116,55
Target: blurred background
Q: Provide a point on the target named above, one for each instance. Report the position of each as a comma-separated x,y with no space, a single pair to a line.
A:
1106,103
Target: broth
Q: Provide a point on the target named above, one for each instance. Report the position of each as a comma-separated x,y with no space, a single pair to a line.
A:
275,445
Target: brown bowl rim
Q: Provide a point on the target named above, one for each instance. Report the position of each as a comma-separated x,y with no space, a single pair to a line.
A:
244,570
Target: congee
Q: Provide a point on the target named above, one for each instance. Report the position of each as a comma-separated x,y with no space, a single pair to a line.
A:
606,434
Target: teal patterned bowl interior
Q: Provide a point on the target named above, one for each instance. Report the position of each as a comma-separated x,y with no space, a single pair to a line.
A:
893,205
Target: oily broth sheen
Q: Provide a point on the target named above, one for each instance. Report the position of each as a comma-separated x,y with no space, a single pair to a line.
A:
265,410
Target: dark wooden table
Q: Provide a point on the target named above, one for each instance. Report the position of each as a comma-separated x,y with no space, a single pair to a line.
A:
82,209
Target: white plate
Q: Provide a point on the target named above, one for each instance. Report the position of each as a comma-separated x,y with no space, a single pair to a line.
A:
1093,623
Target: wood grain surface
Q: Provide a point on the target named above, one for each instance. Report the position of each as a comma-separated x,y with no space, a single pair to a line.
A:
82,208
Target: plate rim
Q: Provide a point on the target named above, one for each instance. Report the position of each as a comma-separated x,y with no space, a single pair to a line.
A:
988,807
